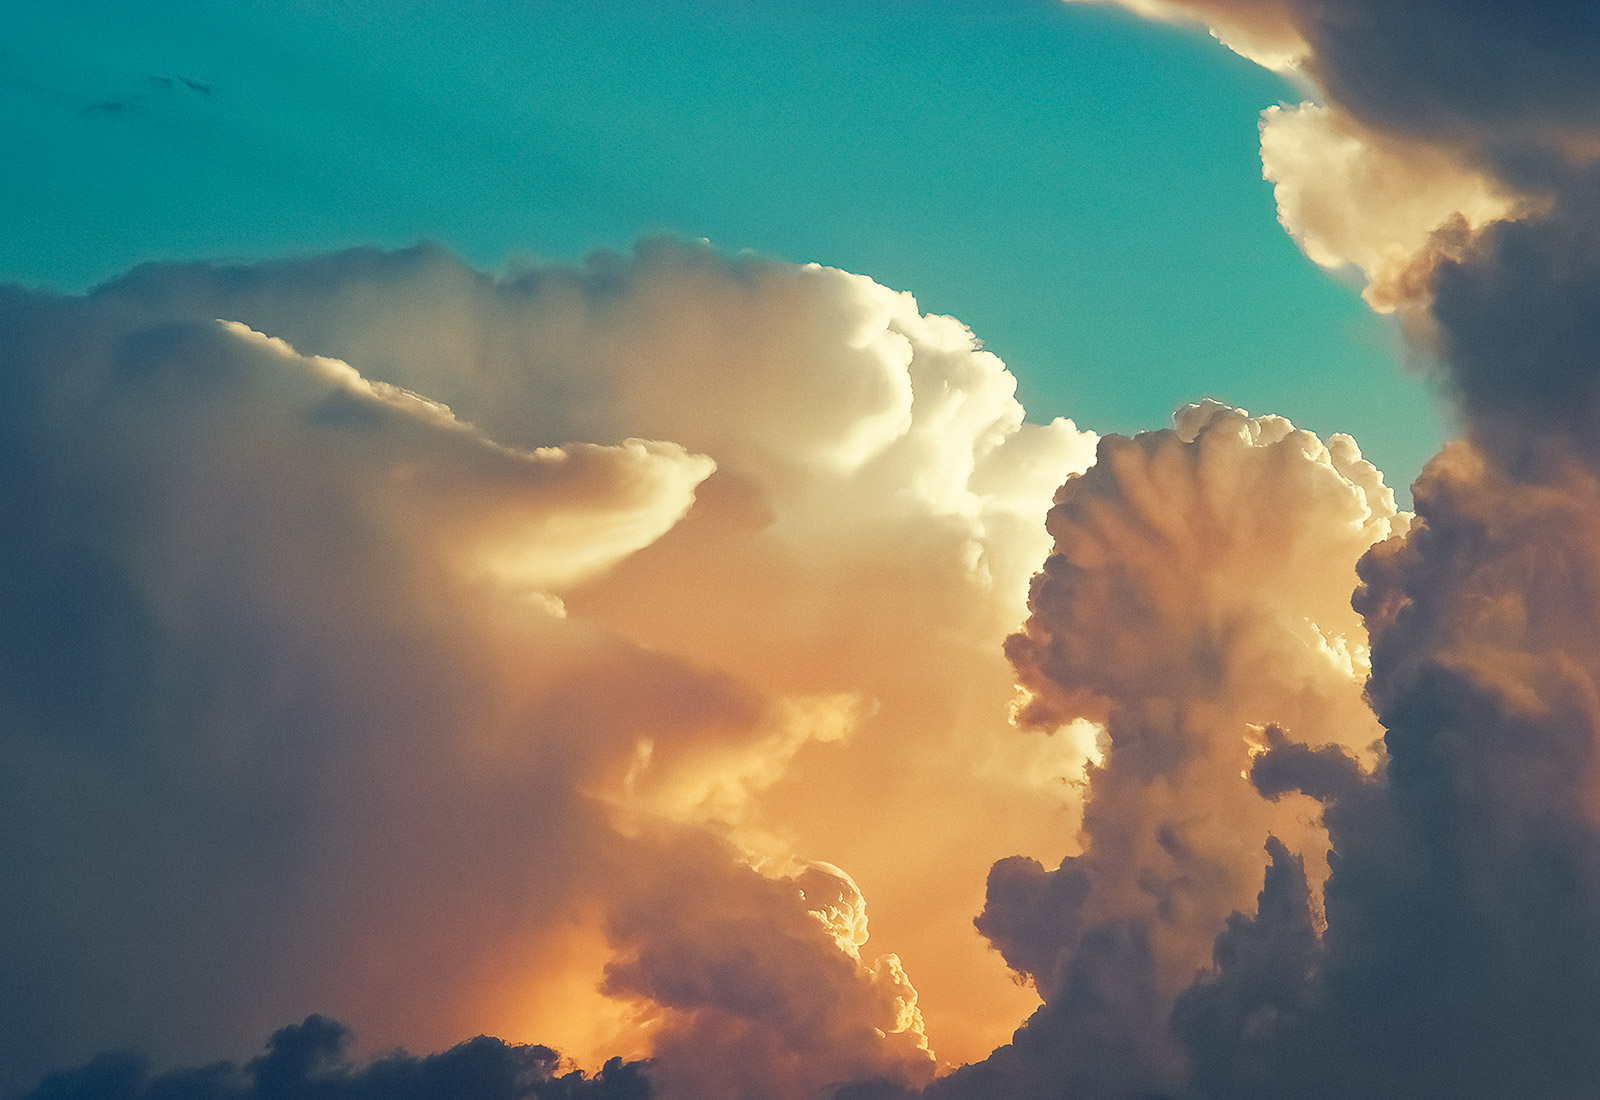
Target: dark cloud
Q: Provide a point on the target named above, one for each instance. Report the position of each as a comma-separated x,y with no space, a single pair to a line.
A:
1517,309
1262,962
1456,946
311,1061
1031,916
1513,79
1504,81
1463,911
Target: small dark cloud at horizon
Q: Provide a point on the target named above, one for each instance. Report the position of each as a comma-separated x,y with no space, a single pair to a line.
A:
311,1060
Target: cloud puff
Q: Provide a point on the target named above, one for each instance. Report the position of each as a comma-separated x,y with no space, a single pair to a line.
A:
1353,196
413,644
764,987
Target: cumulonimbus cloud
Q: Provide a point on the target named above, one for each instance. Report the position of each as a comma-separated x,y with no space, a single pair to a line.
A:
453,653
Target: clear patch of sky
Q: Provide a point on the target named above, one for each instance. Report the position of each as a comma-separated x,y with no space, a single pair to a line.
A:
1082,189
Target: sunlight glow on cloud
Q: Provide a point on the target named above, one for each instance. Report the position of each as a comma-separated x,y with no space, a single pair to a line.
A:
1349,195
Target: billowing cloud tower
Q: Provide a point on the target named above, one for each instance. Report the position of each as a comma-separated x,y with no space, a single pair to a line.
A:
450,653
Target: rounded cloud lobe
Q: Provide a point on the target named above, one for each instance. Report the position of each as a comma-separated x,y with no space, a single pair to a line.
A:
1463,920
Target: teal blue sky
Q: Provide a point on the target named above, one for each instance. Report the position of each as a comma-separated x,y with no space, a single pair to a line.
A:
1083,189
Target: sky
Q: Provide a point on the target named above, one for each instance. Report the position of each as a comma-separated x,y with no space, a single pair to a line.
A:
889,551
1082,190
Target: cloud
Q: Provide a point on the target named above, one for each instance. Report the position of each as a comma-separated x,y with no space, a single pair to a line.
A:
1514,317
312,1059
433,649
889,570
262,751
1452,941
762,978
1510,79
1439,69
1196,600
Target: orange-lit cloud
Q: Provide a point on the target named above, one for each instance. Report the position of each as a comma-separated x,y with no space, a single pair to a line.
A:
463,644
